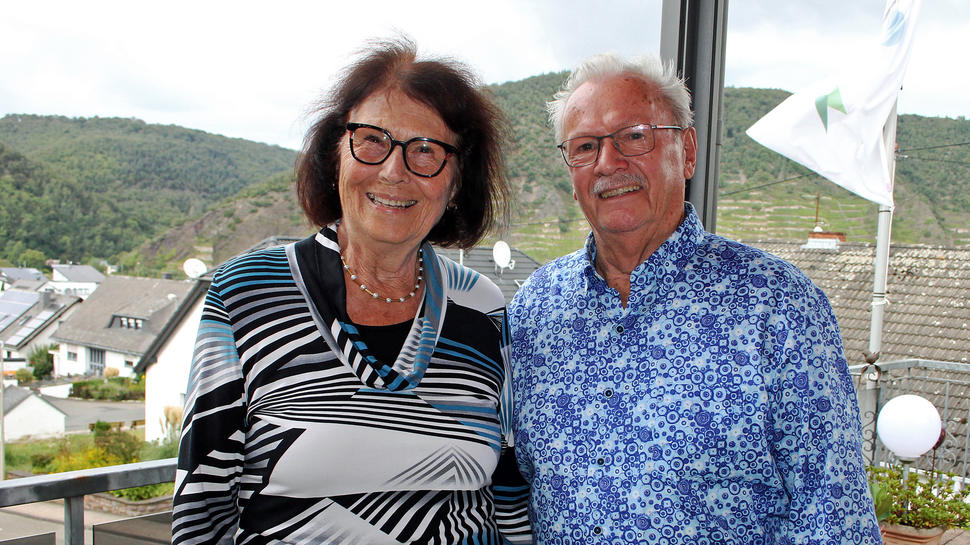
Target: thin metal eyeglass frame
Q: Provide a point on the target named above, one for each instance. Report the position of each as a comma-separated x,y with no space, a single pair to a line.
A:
451,150
612,135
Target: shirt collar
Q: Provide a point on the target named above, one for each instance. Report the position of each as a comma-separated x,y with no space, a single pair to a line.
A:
663,267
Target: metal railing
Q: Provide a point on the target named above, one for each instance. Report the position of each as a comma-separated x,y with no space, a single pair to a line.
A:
945,384
72,486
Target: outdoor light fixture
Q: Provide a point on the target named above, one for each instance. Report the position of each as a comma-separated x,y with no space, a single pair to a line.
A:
909,425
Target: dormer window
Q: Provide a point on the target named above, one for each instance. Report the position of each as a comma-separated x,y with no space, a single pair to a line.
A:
127,322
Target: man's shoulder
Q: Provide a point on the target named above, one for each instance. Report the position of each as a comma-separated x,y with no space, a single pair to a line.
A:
559,269
559,273
738,257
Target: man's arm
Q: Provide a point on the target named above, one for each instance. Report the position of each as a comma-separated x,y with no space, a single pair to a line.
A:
817,437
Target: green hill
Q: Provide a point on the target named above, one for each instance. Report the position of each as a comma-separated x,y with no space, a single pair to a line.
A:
151,196
101,186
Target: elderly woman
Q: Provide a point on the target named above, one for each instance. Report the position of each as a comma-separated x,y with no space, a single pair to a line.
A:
351,387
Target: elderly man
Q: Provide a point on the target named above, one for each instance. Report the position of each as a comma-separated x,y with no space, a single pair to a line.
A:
673,386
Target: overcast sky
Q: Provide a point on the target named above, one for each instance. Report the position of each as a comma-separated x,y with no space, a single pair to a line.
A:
252,69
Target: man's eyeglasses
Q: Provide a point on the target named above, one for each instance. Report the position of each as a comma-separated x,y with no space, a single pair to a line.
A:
372,145
629,141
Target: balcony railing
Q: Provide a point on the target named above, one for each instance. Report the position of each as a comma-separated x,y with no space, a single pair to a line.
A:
945,384
72,486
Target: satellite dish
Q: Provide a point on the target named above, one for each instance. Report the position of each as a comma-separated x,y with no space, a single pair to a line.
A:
502,254
194,268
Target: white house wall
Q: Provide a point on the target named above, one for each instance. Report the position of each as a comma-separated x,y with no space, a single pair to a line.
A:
167,378
80,289
124,363
33,417
63,367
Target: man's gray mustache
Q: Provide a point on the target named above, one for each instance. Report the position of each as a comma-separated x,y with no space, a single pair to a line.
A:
606,183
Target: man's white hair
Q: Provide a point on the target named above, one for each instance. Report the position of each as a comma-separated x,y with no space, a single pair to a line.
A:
649,68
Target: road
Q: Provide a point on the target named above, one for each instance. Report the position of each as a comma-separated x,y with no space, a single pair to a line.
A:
83,412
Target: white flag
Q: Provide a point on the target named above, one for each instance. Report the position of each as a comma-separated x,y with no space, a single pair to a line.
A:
835,127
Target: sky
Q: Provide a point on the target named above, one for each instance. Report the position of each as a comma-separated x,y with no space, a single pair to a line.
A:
254,70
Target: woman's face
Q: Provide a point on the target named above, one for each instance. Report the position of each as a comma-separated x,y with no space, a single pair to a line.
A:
387,203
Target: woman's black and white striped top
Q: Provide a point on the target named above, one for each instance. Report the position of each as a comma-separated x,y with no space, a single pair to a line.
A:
295,434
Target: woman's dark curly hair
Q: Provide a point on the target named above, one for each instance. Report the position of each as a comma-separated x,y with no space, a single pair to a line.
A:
448,88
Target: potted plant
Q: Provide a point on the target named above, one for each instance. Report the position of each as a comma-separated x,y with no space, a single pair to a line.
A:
917,507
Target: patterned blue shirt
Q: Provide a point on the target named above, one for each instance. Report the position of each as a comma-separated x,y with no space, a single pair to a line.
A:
716,408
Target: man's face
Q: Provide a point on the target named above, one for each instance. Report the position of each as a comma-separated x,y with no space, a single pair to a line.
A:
641,195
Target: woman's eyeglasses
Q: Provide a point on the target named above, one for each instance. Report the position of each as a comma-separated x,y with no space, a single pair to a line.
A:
372,145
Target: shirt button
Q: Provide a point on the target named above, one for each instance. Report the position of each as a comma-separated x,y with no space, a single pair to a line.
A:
600,461
608,392
619,329
597,530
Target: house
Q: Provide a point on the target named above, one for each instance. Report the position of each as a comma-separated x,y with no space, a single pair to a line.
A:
28,319
166,361
9,275
80,280
27,414
928,315
116,324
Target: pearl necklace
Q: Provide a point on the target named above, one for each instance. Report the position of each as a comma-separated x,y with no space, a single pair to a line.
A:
363,287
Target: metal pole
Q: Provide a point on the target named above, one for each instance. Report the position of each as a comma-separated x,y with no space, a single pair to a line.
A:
880,280
692,37
3,454
74,520
881,265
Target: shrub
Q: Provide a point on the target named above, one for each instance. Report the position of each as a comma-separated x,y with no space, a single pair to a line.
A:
111,389
116,444
146,492
24,375
111,372
921,500
41,360
40,462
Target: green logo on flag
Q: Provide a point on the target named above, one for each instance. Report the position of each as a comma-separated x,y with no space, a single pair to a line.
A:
823,103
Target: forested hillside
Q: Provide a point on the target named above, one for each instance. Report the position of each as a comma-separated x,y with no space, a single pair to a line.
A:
77,189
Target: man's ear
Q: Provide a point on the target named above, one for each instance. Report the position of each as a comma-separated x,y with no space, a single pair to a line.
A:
690,152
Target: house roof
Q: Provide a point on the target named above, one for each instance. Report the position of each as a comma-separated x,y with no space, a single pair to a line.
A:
47,309
152,300
480,259
79,273
14,303
12,274
15,395
928,315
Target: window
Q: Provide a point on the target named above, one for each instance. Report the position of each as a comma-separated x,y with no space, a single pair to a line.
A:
71,355
96,360
127,322
129,363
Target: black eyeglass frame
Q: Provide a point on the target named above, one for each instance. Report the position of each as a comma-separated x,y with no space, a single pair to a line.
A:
616,146
451,150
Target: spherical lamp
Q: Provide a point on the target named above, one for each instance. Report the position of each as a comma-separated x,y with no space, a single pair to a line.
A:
909,425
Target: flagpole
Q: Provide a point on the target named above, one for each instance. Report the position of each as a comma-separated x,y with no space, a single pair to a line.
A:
880,282
881,265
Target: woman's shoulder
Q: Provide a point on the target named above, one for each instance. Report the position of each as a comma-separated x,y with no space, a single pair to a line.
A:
252,264
469,287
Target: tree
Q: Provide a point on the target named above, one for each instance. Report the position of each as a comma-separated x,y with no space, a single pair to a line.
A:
41,360
32,258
